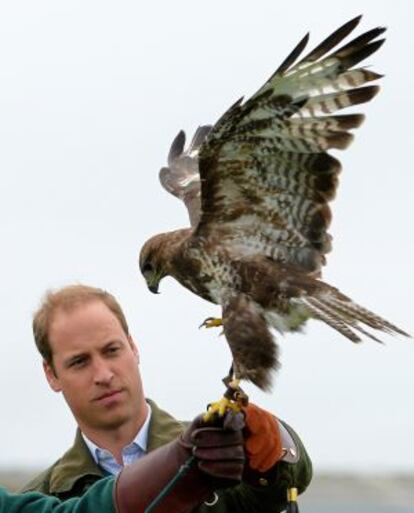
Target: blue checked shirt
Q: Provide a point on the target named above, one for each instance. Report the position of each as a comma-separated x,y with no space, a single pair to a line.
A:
135,450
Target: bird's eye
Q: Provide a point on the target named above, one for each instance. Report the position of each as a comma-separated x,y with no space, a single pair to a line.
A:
147,268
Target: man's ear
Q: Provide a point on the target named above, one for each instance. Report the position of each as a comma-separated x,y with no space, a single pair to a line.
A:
133,347
51,377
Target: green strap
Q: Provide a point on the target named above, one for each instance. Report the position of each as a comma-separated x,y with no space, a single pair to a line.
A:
182,471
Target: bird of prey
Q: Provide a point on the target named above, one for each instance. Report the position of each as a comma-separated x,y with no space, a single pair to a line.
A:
258,185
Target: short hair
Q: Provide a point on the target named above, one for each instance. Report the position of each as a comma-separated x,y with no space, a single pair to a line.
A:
66,299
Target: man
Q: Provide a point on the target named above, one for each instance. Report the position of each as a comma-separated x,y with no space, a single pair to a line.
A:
175,477
90,356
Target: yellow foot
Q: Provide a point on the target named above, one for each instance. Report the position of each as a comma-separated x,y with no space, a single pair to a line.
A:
233,400
220,408
211,322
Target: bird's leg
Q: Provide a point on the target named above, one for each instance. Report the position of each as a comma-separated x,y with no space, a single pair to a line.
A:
235,393
211,322
234,398
227,379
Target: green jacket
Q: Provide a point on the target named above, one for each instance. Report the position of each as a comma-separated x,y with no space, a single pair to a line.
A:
98,498
76,471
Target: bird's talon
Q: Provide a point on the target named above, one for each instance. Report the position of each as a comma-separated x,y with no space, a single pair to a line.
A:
211,322
220,408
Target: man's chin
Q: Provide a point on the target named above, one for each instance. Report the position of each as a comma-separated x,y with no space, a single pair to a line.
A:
115,421
109,421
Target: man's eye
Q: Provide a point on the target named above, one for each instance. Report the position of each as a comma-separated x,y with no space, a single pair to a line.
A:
112,350
78,363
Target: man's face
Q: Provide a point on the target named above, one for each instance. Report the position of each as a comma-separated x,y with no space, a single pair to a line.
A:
95,367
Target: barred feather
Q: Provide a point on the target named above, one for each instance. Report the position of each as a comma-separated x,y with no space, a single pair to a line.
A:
344,315
264,166
328,103
335,322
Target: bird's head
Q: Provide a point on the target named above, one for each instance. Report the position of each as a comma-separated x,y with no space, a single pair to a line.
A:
152,263
156,259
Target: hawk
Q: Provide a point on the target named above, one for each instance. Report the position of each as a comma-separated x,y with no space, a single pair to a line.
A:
257,185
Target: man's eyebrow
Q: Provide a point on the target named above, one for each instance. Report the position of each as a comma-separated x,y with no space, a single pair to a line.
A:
112,342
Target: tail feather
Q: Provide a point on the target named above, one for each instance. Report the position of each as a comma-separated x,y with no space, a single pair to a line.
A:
353,314
320,311
367,334
366,316
345,316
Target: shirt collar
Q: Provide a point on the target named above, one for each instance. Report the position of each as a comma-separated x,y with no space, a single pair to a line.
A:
140,440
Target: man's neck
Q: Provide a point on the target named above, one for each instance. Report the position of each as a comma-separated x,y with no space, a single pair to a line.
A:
114,440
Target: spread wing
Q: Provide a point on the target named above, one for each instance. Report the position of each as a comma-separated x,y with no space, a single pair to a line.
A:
266,175
181,178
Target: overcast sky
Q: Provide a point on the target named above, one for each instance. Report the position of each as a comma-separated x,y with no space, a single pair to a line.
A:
91,95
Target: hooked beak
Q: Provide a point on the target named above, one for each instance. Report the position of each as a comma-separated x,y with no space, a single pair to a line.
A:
153,281
154,288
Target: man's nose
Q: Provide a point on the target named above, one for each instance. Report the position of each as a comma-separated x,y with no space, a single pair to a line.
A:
103,373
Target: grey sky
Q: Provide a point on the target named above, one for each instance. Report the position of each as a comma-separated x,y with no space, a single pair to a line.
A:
91,95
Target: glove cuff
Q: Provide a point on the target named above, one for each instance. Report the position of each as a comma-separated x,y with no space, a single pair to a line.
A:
151,478
290,454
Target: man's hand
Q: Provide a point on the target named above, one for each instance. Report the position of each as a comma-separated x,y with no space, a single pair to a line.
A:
218,448
263,441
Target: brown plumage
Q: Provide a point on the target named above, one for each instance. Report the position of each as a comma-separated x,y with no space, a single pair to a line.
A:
263,179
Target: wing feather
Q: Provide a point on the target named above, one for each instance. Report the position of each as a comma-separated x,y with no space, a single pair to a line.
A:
332,40
266,176
181,178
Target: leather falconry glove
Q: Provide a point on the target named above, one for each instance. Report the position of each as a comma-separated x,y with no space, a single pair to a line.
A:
209,457
263,440
267,443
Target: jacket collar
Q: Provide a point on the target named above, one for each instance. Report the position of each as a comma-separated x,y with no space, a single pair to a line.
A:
163,427
77,463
